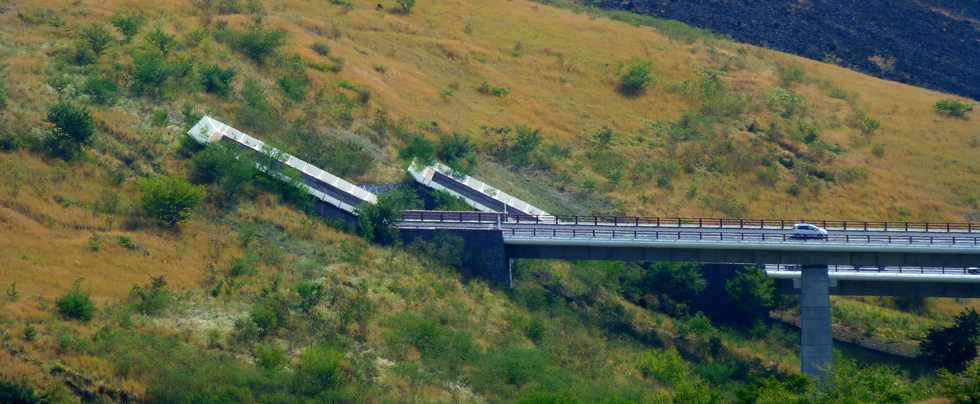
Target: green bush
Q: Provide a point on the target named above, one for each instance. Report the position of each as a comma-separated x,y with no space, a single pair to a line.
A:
97,37
256,42
784,102
217,80
270,356
73,128
150,72
255,111
309,294
169,200
519,150
269,315
294,86
751,293
791,74
437,343
76,304
406,5
17,393
161,41
953,107
103,91
496,91
964,387
221,165
319,369
321,48
3,94
457,152
445,201
635,77
376,222
955,346
129,23
151,299
420,149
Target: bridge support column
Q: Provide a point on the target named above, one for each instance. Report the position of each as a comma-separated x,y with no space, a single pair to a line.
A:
816,347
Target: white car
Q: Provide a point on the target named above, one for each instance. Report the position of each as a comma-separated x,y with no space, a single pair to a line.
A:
803,231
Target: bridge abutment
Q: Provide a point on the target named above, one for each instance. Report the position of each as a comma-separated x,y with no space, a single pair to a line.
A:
816,345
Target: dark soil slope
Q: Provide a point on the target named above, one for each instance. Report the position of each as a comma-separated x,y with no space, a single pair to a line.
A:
930,43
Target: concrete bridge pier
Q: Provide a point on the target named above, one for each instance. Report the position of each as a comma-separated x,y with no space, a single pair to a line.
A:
816,347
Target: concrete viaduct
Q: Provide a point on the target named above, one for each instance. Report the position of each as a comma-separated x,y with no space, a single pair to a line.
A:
857,258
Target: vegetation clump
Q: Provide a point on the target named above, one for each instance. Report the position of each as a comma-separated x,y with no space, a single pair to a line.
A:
217,80
953,107
169,200
76,304
955,346
73,129
634,77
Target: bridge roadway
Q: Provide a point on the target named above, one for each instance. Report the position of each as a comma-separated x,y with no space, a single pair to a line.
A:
922,259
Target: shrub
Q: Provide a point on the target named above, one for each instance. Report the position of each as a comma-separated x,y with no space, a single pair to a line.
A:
73,128
102,91
129,24
784,102
169,200
751,293
955,346
151,299
161,41
256,42
878,150
488,89
3,94
217,80
219,164
791,74
420,149
76,304
309,294
269,315
270,356
321,48
150,72
519,152
445,201
255,111
634,77
457,152
294,86
376,222
953,107
436,342
406,5
97,37
319,369
964,387
17,393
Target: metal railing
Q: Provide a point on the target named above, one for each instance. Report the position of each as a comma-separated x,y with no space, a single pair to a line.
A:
699,223
883,269
640,234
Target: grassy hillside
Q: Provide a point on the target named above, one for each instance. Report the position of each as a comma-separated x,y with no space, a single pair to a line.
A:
253,284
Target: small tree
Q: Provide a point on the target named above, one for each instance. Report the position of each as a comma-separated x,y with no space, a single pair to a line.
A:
964,387
151,299
376,222
217,80
76,304
457,152
406,5
419,149
953,107
161,41
102,91
17,393
73,128
150,72
97,37
953,347
129,24
752,293
319,369
169,200
635,77
258,43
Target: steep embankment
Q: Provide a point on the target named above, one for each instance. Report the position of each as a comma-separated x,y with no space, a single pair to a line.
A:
934,44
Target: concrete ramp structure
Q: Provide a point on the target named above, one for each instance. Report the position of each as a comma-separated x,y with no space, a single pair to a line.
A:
330,191
474,192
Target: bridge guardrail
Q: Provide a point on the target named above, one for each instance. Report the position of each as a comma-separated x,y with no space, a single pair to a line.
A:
898,270
666,235
700,223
